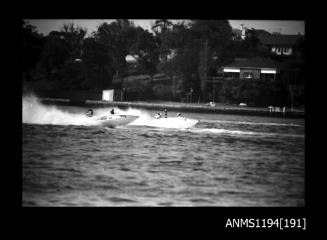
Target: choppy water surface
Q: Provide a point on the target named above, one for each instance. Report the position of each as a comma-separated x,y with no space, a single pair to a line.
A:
223,161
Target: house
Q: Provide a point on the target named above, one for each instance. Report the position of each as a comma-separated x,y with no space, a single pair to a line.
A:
254,68
280,44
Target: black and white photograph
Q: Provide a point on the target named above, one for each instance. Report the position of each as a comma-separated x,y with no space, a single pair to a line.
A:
163,113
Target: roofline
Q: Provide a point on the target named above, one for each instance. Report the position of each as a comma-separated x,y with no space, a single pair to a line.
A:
265,68
282,44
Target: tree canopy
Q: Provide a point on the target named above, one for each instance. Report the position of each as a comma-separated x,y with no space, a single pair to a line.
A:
186,51
33,44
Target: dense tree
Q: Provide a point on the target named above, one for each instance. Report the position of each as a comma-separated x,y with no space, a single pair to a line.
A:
199,45
117,37
251,38
162,29
74,36
217,33
248,48
252,45
254,92
70,76
198,48
55,52
161,25
97,64
64,53
212,36
179,34
145,49
33,43
185,62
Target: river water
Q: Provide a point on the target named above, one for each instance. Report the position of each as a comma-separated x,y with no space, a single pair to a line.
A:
224,160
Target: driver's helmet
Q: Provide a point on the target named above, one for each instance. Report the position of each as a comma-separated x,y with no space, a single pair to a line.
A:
89,112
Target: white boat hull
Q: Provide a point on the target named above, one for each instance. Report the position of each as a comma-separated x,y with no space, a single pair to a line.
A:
175,122
115,120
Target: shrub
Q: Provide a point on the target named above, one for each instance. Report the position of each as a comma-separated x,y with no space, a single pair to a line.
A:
138,91
162,92
254,92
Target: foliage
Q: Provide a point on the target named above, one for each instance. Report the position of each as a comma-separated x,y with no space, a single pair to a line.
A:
217,32
212,37
73,61
33,43
254,92
117,37
70,77
162,30
74,36
97,63
139,91
145,49
161,26
162,92
55,52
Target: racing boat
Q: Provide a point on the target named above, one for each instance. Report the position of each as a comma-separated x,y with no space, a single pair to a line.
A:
114,120
173,122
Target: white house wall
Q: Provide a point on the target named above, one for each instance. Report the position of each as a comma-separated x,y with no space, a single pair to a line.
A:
268,71
232,70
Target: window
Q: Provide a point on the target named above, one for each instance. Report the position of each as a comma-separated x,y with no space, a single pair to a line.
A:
231,74
278,50
247,75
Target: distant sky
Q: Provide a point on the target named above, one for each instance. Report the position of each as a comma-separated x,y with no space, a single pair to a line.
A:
285,27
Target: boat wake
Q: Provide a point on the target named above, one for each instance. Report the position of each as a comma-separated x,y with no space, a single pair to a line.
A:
34,112
254,123
175,123
239,132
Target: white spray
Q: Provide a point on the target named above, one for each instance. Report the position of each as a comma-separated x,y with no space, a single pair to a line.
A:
36,113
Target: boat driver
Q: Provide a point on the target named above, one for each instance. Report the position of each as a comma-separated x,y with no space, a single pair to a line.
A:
157,116
112,111
89,113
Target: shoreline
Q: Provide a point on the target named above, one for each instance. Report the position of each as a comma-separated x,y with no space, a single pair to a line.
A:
180,107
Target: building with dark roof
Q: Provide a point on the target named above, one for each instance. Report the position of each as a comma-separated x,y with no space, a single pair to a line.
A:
277,43
254,68
280,44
